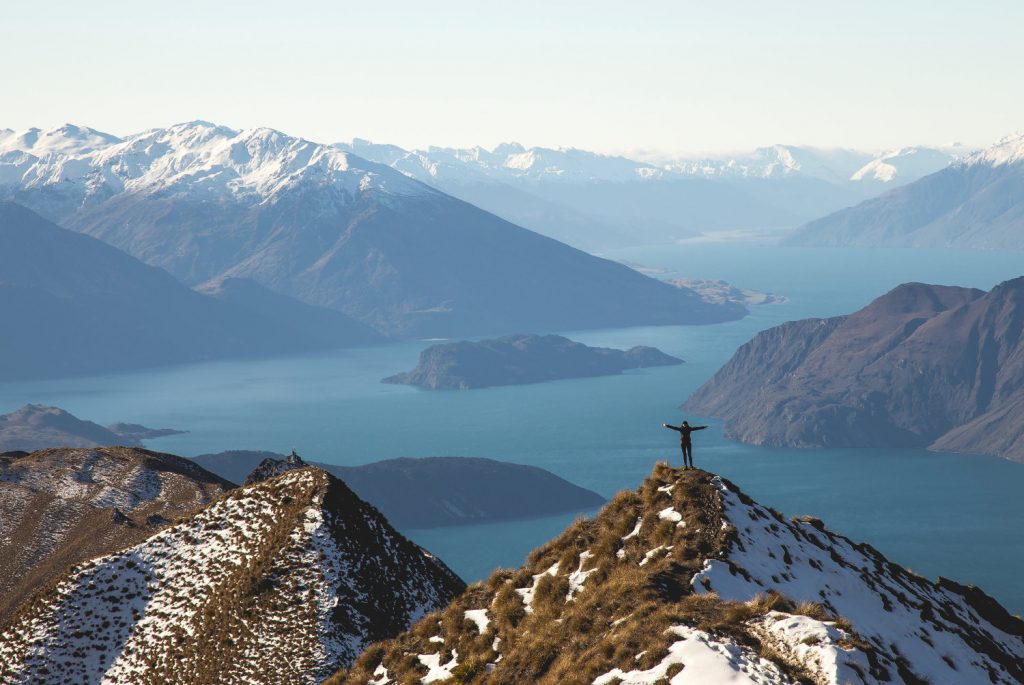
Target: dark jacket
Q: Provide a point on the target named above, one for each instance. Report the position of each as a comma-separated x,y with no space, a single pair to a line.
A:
684,431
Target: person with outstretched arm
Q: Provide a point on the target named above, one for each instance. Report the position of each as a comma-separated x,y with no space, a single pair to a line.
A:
684,441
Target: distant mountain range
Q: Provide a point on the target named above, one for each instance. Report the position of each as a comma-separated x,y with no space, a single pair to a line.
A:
327,227
519,359
975,203
595,201
72,304
688,581
922,366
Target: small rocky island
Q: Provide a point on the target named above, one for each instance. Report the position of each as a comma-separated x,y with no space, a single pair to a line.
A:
521,359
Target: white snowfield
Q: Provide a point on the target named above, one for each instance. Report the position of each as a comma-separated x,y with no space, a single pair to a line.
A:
132,616
922,632
210,162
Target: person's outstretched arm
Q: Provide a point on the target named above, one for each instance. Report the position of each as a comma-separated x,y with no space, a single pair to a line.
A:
698,428
677,429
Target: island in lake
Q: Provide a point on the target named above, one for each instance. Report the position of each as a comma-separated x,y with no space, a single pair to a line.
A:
520,359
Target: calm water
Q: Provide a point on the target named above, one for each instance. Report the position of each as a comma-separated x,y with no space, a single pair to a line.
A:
940,514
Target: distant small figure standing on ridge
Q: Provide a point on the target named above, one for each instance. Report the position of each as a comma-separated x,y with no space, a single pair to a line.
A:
684,441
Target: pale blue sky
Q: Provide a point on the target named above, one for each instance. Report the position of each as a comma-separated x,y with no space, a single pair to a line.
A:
612,76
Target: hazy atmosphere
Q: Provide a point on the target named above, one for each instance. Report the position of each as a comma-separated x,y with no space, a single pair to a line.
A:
660,77
566,343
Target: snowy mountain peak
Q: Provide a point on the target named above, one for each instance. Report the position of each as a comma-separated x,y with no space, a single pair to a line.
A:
1009,150
63,140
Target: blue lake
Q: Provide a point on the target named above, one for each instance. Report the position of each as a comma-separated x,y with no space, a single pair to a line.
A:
940,514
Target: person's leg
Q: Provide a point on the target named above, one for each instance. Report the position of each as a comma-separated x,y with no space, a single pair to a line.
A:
686,455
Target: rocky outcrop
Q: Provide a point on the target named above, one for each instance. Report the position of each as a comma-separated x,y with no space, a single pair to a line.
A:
922,366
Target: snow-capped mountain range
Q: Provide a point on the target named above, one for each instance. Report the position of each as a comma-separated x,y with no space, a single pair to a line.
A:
196,157
556,191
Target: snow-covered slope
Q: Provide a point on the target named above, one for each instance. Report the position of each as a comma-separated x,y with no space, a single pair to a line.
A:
59,507
687,581
277,582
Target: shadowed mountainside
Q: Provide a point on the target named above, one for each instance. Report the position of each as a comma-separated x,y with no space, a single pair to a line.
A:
73,305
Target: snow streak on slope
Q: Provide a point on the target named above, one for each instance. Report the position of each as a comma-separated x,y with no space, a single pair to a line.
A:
61,506
924,632
279,582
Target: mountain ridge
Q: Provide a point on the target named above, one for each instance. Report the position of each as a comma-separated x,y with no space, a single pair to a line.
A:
213,598
687,579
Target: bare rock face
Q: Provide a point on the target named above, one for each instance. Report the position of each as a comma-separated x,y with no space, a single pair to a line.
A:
922,366
521,359
689,581
276,582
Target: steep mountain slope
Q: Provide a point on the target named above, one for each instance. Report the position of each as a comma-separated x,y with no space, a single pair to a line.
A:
72,304
59,507
298,318
689,581
332,229
35,427
429,492
276,582
974,203
920,366
519,359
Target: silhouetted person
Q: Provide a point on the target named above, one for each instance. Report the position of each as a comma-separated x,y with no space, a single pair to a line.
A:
685,442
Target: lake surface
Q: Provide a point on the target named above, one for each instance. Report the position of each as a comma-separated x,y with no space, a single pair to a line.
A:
939,514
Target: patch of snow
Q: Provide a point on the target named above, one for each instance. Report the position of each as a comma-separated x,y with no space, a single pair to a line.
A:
436,670
705,660
479,617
